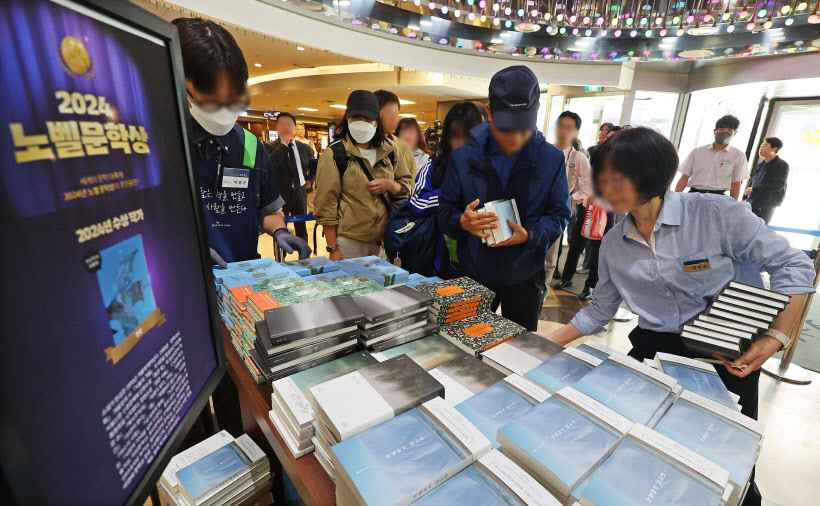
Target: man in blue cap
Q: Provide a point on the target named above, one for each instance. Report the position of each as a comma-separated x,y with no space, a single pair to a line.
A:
507,158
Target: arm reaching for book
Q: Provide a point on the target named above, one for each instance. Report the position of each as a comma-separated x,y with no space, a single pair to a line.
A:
563,336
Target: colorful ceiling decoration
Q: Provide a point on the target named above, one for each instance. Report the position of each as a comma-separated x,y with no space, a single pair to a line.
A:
599,30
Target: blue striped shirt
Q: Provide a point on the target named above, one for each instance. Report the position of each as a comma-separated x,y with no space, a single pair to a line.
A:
424,198
697,228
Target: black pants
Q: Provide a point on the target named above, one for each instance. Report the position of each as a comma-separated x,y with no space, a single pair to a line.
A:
295,205
576,246
523,301
716,192
764,212
645,343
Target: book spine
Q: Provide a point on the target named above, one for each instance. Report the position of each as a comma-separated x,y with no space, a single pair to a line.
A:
312,363
295,400
723,411
498,466
457,425
288,356
527,387
584,357
644,369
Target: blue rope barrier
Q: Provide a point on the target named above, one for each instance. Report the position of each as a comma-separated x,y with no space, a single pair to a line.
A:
299,218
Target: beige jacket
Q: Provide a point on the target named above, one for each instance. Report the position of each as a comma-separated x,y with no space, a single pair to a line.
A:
348,205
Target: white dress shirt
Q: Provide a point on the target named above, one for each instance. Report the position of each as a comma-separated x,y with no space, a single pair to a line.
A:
295,153
715,170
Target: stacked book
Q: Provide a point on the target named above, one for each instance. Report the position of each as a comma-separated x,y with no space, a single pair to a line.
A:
494,479
310,266
563,439
375,268
357,401
415,279
394,317
716,432
596,349
505,210
291,412
563,369
455,299
698,377
734,319
300,336
649,468
402,459
521,354
501,403
220,470
477,334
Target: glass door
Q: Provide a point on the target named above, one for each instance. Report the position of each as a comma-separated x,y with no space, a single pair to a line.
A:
797,123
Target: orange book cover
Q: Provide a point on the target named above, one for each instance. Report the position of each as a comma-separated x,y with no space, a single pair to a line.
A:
263,301
240,293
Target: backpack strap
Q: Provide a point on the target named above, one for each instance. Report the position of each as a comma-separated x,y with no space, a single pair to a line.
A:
370,178
340,157
251,142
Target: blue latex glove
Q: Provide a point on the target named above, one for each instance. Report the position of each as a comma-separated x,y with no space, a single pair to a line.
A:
218,259
289,242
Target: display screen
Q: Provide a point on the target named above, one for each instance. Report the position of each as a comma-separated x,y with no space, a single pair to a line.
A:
106,335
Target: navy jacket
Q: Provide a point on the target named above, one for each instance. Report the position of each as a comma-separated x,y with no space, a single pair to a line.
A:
538,183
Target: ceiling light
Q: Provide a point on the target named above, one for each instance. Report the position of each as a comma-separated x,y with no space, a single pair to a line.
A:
300,48
338,106
344,3
257,64
406,102
406,115
308,109
505,35
497,41
421,122
426,22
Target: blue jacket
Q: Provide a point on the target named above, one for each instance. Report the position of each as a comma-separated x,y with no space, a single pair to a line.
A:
537,182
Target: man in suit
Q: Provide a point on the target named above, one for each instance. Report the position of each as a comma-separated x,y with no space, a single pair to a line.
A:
293,166
767,187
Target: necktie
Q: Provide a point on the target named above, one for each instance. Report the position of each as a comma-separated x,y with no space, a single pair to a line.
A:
294,169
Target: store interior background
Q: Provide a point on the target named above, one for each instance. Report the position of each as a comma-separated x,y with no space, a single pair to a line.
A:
295,69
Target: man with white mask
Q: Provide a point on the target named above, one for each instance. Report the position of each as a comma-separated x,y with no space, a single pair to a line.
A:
237,184
358,180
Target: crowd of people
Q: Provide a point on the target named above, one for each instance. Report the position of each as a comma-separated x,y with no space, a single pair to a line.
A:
377,169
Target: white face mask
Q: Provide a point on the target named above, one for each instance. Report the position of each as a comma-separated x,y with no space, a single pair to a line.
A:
218,122
362,131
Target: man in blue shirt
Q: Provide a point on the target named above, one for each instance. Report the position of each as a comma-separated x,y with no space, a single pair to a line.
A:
507,158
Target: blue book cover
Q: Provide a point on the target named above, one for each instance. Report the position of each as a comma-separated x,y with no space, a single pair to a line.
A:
470,487
310,266
729,445
269,273
414,280
125,286
375,268
390,461
560,371
625,390
561,438
634,474
493,408
705,383
592,351
506,210
251,265
211,470
326,276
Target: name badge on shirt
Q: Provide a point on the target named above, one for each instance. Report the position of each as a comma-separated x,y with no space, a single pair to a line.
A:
696,265
235,178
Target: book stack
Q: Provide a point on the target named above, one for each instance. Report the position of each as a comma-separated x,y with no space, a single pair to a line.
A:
303,335
454,299
597,349
569,423
381,391
394,317
647,467
415,279
505,210
564,369
375,268
402,459
696,376
716,432
311,266
291,412
631,388
477,334
494,479
501,403
734,319
521,354
220,470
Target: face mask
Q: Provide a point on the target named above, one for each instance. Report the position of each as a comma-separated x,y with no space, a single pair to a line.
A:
723,138
218,122
362,131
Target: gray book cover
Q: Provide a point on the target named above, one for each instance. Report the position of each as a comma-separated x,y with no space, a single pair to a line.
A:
308,319
471,373
402,383
392,326
429,352
387,304
405,337
536,346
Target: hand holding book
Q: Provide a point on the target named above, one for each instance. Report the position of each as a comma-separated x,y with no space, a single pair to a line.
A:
475,222
519,236
759,352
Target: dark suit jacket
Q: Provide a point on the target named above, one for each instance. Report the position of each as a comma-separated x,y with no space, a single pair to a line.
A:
281,165
769,184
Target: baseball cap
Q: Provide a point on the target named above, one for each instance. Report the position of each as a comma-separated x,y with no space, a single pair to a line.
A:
362,103
514,94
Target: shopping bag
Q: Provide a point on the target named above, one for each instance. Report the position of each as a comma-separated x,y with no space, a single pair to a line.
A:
594,222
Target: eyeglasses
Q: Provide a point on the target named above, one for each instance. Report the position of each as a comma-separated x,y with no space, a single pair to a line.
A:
239,104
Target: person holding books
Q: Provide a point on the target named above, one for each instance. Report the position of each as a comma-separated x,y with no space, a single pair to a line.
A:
240,194
507,158
676,251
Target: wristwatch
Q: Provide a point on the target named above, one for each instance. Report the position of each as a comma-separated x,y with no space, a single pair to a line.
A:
780,336
331,249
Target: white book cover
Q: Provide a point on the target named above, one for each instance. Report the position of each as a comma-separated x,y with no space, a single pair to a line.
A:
454,392
292,445
527,387
644,369
295,400
660,358
457,424
191,455
522,484
512,358
350,418
585,357
301,437
596,409
723,411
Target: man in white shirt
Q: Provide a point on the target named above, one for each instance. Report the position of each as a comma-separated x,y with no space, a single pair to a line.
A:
716,167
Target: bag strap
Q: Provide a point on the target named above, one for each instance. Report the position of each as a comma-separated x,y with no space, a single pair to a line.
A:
250,149
340,157
370,178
